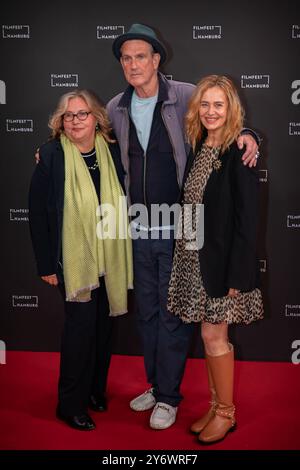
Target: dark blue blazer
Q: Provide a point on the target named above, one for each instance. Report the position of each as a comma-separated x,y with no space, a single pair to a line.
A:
46,203
228,257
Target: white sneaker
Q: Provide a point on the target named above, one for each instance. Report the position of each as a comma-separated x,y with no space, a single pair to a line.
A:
143,402
163,416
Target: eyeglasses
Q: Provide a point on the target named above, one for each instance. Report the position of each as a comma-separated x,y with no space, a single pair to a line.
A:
81,115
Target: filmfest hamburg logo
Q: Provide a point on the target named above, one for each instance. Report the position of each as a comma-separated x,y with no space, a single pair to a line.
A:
207,32
19,125
109,32
64,80
292,311
20,301
15,31
18,215
293,221
263,265
294,128
263,176
295,31
255,81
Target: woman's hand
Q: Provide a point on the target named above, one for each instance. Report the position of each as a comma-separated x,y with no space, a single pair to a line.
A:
37,155
250,154
52,279
233,292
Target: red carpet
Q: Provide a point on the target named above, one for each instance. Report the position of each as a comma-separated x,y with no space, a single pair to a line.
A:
267,399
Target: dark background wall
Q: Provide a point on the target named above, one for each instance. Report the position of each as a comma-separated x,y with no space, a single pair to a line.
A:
47,47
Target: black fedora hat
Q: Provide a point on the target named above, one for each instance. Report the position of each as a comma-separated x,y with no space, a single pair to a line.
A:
143,32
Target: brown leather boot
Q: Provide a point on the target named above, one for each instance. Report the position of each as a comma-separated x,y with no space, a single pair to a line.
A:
200,424
223,421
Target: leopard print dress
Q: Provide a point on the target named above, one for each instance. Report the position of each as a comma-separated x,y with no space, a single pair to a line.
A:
187,297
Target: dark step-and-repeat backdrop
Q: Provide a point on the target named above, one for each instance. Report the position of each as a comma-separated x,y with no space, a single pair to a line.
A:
49,48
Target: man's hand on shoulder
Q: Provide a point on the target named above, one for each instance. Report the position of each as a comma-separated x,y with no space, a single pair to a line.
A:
251,153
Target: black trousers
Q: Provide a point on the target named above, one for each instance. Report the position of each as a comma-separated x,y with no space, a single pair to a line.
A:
85,351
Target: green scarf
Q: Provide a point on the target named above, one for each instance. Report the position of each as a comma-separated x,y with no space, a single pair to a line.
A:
86,257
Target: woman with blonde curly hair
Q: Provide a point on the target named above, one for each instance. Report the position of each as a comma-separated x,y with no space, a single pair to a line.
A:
80,170
217,285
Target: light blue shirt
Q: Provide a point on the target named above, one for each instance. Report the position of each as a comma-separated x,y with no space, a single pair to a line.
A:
142,114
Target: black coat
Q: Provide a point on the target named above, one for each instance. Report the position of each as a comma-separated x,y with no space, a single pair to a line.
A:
228,257
46,203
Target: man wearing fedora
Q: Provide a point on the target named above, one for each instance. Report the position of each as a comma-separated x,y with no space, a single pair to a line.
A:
148,120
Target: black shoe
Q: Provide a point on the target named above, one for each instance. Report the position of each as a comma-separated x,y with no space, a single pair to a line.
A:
82,422
98,404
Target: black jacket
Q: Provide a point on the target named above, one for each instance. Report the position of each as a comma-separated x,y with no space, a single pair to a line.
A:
228,257
149,170
46,203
